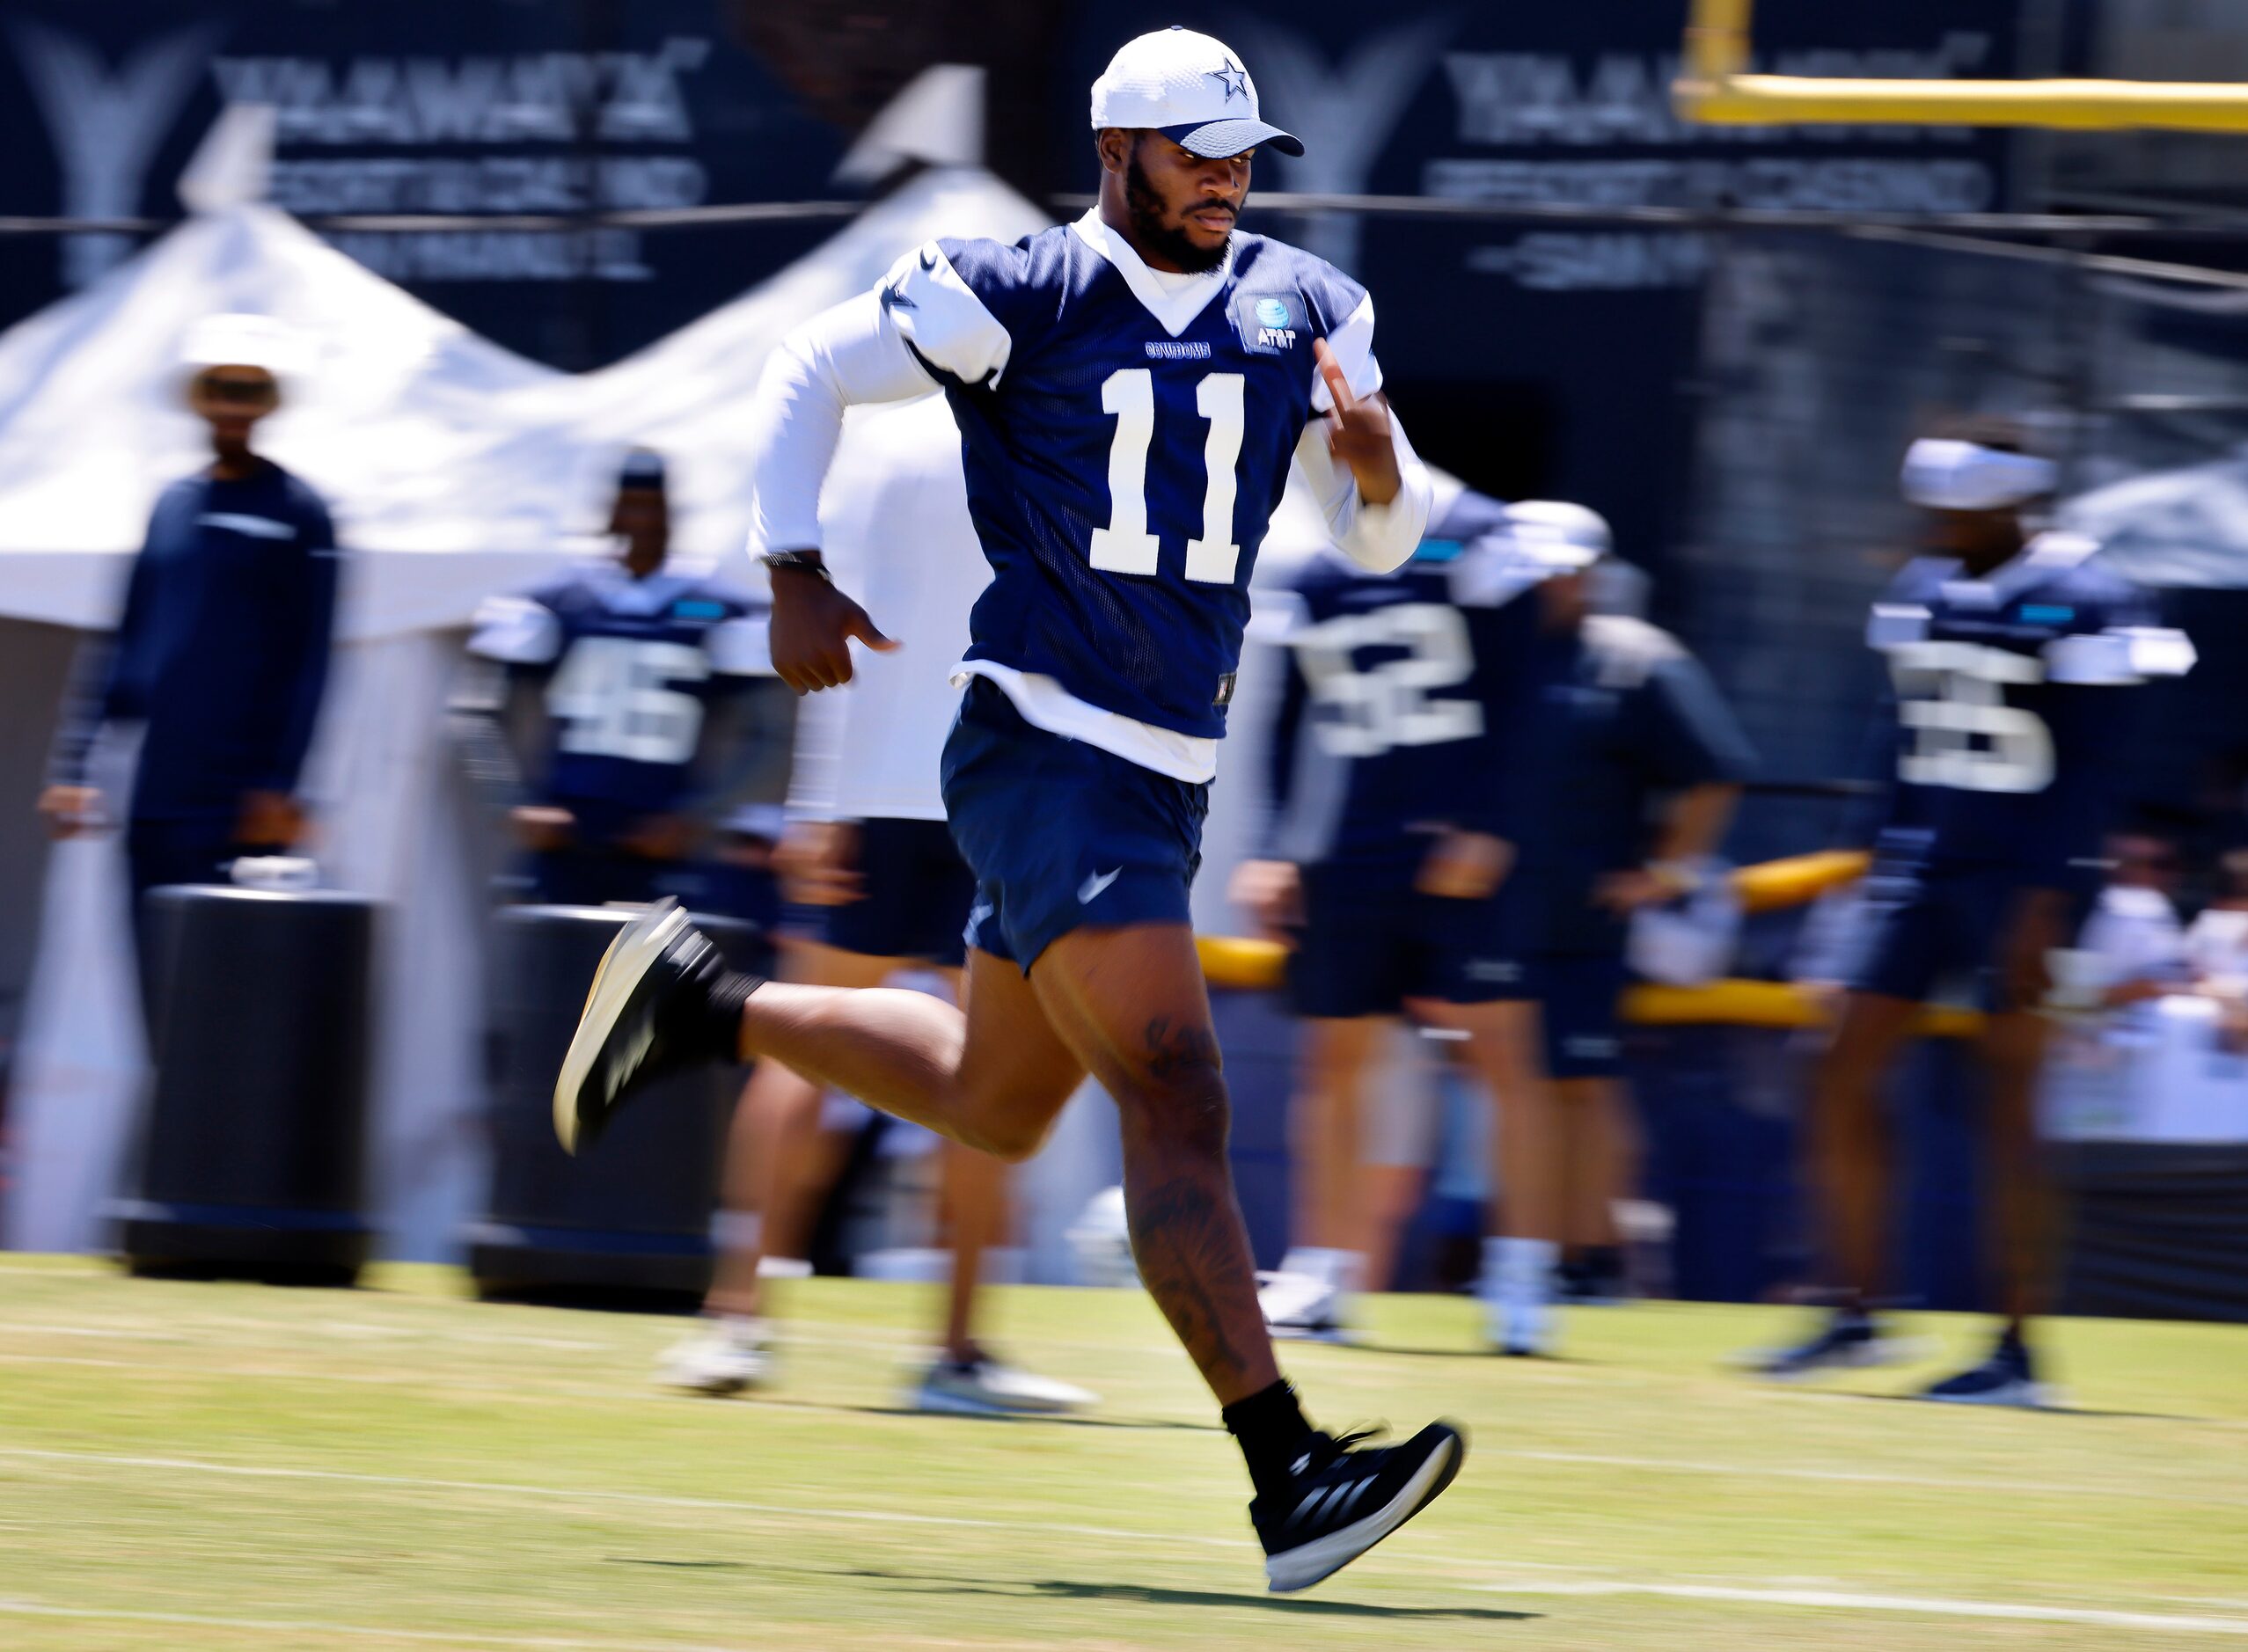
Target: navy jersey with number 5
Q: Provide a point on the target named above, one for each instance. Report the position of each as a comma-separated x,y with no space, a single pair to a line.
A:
1126,435
629,669
2011,733
1409,694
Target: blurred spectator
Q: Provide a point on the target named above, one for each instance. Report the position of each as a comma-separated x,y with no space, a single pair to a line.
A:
2217,951
660,718
1394,769
1638,764
2132,944
221,654
2217,947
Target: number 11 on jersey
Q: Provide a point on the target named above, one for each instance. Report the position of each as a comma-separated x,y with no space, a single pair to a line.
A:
1126,546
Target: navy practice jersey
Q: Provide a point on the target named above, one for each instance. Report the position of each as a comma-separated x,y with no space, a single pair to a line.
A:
1403,708
1623,714
1122,470
2013,726
222,652
629,669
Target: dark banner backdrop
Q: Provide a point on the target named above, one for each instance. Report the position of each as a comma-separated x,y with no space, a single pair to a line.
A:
1542,360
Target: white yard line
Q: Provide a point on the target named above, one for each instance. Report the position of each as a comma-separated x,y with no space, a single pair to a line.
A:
1832,1599
551,1393
653,1499
373,1632
1849,1600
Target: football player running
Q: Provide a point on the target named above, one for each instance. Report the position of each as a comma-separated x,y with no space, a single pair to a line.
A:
1131,390
2011,654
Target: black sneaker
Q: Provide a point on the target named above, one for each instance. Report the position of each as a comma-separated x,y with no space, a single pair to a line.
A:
659,967
2006,1378
1340,1503
1847,1342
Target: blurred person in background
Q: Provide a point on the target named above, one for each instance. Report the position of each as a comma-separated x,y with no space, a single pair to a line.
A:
2133,941
1636,765
2010,651
882,891
2216,949
656,717
221,654
1394,773
1132,390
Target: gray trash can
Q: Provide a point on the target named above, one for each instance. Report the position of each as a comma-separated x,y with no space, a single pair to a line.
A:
252,1152
630,1219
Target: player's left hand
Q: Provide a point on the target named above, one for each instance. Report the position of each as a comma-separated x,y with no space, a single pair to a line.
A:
1358,433
268,820
1464,866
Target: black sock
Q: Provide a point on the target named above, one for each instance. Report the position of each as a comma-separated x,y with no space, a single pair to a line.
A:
714,1026
1270,1430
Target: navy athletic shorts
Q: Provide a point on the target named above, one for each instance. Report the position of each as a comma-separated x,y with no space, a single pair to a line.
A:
1928,925
1062,834
1370,942
914,893
1580,1001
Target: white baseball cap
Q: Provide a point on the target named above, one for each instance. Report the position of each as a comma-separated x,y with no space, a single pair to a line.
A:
1563,535
242,340
1191,88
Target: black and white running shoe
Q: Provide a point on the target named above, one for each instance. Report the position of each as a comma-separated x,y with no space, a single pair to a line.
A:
1847,1342
657,971
1339,1501
2008,1378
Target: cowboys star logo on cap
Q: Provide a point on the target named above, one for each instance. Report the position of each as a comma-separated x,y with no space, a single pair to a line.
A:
1192,89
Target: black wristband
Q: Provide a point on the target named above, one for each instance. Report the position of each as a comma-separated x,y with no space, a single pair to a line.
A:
802,561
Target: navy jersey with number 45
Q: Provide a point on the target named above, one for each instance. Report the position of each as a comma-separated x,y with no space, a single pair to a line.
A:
1126,437
630,667
1407,702
2012,731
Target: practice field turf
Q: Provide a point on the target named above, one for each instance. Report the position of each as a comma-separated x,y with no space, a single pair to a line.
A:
221,1466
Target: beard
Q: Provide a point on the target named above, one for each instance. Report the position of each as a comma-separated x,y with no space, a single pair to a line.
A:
1170,242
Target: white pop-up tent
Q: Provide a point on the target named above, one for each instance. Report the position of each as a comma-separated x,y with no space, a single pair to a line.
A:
386,418
392,405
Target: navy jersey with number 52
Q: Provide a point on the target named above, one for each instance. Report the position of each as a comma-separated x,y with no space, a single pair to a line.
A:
2011,730
1406,705
1126,437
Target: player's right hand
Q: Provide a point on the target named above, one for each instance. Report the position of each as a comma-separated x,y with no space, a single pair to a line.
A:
1272,892
69,811
538,826
813,624
818,863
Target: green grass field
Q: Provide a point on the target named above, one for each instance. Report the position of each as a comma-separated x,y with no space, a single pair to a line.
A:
221,1466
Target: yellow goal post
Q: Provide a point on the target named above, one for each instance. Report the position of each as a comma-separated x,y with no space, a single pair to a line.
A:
1715,88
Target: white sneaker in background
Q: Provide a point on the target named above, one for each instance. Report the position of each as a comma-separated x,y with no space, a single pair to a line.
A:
722,1355
983,1387
1303,1306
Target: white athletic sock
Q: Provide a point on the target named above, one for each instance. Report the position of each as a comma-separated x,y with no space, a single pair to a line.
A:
1517,1289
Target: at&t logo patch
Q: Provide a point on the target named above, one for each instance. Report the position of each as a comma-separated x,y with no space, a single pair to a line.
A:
1271,324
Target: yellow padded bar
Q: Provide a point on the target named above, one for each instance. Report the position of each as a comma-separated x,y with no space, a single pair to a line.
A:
1714,91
